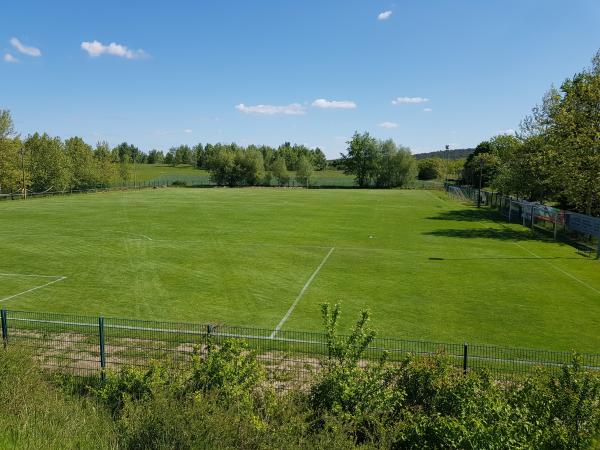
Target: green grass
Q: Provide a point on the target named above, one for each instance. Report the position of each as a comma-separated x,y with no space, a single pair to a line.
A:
429,268
147,172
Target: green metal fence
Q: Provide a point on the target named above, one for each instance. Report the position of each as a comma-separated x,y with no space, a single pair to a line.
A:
85,345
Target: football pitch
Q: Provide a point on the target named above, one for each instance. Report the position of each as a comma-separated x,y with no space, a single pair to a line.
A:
427,267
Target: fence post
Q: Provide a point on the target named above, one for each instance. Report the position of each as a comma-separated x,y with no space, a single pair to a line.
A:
4,328
465,355
102,349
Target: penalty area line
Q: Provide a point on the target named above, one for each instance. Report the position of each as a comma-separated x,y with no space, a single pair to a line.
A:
304,288
32,289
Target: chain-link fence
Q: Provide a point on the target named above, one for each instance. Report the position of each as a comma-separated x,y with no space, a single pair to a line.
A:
85,345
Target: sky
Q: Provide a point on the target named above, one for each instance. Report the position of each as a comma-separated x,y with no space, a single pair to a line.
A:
425,73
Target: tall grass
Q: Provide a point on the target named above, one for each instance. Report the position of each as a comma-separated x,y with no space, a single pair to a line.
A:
36,414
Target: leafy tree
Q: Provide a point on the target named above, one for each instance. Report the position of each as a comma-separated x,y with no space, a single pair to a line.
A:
82,165
48,163
155,157
6,124
221,166
430,169
396,165
304,171
362,158
575,132
249,167
107,167
319,160
11,156
199,156
279,171
170,158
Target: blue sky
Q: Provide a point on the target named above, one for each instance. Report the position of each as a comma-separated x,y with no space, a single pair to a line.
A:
423,72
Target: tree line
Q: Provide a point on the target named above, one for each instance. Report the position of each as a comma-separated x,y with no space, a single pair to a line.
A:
41,162
555,155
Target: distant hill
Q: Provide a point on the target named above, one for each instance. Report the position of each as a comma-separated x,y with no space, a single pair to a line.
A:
446,154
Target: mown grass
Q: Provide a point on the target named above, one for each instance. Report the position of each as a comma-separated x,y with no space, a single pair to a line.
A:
428,267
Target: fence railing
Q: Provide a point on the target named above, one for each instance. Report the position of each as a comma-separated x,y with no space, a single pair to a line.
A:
580,230
86,345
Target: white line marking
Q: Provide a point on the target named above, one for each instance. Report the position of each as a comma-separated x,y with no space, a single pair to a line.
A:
304,288
32,289
28,275
444,201
559,269
134,234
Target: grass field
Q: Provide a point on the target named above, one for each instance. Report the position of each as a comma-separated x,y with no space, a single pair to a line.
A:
428,268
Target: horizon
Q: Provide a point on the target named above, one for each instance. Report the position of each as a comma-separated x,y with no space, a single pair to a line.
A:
308,73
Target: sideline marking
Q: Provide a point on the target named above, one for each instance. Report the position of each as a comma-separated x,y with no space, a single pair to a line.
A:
134,234
306,285
559,269
27,275
33,289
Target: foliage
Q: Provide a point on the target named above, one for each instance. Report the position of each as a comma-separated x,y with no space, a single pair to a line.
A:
230,370
430,169
280,172
304,171
556,156
381,163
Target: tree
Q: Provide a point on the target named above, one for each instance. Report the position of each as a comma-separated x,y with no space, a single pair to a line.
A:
279,171
304,171
362,158
221,166
249,167
6,124
430,169
319,160
82,165
155,157
48,164
107,168
199,156
575,132
11,158
396,165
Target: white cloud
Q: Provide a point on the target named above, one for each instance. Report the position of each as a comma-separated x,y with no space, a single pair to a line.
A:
30,51
333,104
384,15
405,100
293,109
10,58
427,109
388,125
187,130
96,49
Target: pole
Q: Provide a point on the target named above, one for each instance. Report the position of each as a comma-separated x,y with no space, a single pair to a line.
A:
23,170
480,184
102,348
4,327
465,353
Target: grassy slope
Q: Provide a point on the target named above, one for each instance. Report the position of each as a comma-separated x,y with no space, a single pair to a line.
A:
241,256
